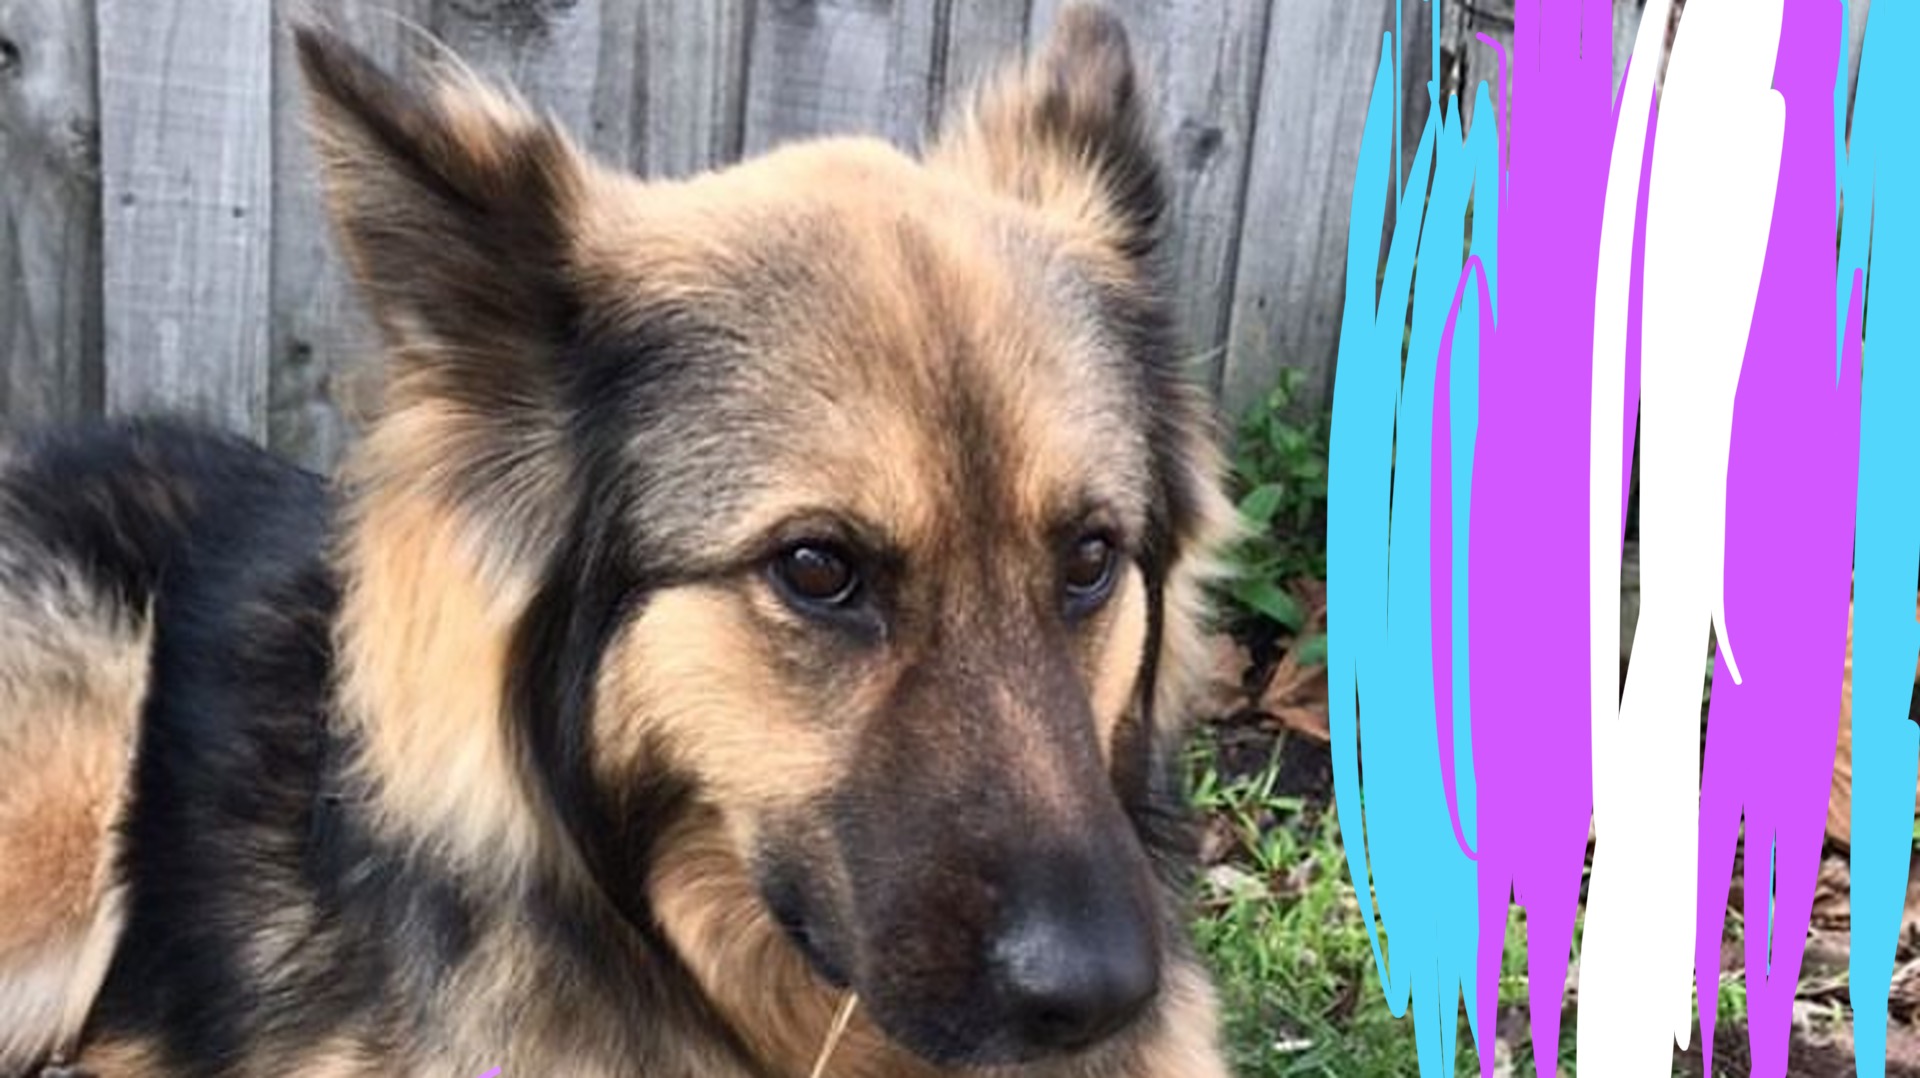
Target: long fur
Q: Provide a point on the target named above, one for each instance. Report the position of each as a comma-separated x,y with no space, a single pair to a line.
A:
504,749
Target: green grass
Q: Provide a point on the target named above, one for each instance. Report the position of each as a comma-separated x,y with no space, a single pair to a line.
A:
1282,931
1287,945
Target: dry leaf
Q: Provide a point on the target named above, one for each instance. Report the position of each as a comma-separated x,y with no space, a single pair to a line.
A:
1831,902
1229,881
1840,799
1295,697
1310,721
1225,689
1217,840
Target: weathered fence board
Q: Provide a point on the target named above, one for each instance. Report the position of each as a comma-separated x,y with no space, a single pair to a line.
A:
186,149
323,345
1201,63
1856,35
1626,24
1416,77
49,213
692,89
177,256
980,35
576,60
823,67
1467,60
1286,300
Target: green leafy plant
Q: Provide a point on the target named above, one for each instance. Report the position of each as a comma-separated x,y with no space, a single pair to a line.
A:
1280,470
1280,926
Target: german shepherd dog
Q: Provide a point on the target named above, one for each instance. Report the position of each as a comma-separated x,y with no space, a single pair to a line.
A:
757,600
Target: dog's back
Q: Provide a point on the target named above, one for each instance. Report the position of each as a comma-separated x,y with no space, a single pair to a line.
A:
98,531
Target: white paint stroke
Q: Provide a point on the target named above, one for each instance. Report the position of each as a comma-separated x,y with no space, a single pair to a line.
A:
1716,161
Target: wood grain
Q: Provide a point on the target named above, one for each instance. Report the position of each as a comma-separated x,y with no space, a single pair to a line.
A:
1289,286
49,214
186,171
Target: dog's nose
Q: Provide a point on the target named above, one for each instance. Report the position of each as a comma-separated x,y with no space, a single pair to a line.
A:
1074,973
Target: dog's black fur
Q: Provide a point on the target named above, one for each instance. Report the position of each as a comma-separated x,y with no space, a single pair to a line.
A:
957,798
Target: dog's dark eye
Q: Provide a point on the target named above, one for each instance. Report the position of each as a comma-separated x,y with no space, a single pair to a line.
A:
816,574
1088,572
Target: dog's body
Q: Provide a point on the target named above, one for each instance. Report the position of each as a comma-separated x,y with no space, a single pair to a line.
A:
754,591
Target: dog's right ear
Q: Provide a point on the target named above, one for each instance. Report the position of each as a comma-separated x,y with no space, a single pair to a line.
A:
452,201
1070,132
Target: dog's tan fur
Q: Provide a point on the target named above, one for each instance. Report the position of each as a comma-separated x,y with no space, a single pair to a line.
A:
72,676
976,273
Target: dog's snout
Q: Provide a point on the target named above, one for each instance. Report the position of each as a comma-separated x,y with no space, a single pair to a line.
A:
1075,966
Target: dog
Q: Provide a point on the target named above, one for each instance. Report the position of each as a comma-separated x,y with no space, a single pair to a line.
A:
752,634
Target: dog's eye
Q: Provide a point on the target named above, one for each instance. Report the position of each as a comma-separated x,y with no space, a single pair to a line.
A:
1088,572
816,574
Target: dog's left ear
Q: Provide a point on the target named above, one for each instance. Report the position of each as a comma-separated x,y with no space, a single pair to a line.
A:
452,200
1069,132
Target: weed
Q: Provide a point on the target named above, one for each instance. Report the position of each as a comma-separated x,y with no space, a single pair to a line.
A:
1280,471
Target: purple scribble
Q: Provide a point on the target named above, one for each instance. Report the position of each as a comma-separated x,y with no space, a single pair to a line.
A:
1770,739
1527,574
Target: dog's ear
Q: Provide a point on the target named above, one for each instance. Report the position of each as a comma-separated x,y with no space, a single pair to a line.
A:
456,206
451,200
1069,131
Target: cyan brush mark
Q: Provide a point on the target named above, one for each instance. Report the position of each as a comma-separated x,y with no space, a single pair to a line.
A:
1879,179
1455,419
1456,423
1790,501
1427,859
1359,468
1379,549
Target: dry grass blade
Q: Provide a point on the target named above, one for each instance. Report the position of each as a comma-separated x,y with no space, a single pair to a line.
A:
834,1034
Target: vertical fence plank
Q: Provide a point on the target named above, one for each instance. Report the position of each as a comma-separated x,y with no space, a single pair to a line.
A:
1856,34
1416,72
981,36
142,269
576,60
49,213
692,84
324,349
1468,60
185,90
1201,63
1626,26
1289,281
821,67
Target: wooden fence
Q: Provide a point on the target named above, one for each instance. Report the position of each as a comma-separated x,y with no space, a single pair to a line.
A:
161,239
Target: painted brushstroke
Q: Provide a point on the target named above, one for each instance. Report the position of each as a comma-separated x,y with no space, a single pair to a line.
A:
1771,735
1715,164
1527,580
1740,414
1616,372
1381,618
1882,167
1616,352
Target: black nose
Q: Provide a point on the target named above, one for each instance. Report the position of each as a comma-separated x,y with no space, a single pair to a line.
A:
1072,973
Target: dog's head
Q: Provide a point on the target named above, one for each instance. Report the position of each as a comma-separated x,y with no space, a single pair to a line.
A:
839,512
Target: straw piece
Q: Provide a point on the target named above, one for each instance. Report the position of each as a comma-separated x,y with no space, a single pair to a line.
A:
834,1034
